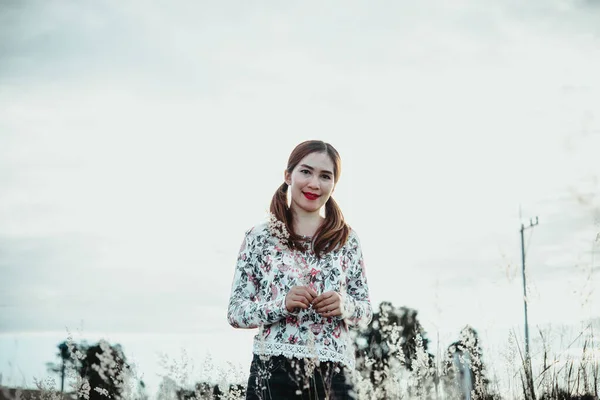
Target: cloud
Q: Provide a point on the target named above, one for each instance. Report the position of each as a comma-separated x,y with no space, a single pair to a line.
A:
137,139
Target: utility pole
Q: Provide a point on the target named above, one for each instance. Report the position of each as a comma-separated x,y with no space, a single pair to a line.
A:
527,354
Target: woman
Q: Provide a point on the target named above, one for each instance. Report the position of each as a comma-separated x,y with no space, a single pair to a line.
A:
300,279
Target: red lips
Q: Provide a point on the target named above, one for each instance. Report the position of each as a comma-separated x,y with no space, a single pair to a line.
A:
310,196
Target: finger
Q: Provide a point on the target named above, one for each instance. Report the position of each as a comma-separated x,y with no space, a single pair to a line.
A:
320,310
301,299
304,288
327,295
331,313
306,301
319,298
292,305
297,292
326,314
307,294
298,303
318,306
326,305
312,292
328,302
327,308
322,298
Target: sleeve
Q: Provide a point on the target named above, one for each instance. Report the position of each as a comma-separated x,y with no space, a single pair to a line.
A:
246,310
356,304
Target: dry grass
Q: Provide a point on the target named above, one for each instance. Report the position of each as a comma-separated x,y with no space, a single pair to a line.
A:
571,373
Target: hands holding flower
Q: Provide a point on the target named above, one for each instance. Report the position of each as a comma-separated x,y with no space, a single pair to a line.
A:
299,297
328,304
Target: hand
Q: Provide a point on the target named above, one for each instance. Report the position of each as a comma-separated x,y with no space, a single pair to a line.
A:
328,304
299,297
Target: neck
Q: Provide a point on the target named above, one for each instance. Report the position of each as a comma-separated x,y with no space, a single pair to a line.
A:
306,223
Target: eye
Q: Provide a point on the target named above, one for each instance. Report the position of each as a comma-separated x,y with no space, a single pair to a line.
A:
326,176
305,171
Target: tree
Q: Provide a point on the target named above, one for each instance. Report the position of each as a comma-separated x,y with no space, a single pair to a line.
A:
105,368
67,360
394,335
392,332
101,369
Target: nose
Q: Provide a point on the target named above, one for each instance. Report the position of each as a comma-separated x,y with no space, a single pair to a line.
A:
314,182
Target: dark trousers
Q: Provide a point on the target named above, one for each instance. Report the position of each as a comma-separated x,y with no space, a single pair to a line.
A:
280,378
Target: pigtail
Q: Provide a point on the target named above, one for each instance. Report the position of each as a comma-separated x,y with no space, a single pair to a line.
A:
279,207
334,232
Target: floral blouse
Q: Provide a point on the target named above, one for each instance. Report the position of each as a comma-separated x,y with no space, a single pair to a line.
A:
266,270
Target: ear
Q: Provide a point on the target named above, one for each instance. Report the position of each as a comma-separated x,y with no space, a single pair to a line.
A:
287,177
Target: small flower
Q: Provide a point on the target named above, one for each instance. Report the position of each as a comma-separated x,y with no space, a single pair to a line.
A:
344,263
266,267
283,267
252,279
337,332
316,328
293,339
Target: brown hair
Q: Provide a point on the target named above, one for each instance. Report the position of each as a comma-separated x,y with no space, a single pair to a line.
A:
334,231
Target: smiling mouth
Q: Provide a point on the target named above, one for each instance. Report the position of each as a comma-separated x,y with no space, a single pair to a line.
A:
310,196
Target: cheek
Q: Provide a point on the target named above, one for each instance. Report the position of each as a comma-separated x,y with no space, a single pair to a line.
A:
328,187
300,181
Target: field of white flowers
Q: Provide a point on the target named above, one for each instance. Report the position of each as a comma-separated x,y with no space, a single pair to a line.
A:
102,371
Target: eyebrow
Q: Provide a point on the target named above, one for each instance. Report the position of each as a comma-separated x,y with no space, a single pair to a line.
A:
312,169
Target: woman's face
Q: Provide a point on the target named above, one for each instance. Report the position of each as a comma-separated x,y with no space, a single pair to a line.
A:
311,182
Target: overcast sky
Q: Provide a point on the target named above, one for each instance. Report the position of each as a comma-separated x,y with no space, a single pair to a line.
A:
139,141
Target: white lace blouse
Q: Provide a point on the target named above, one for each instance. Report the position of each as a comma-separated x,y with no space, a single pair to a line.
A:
265,272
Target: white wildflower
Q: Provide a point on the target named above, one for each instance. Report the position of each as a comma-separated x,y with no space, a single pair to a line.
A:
46,389
102,391
312,347
278,229
299,265
72,350
83,389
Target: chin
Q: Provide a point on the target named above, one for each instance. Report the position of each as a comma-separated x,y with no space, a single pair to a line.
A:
311,209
